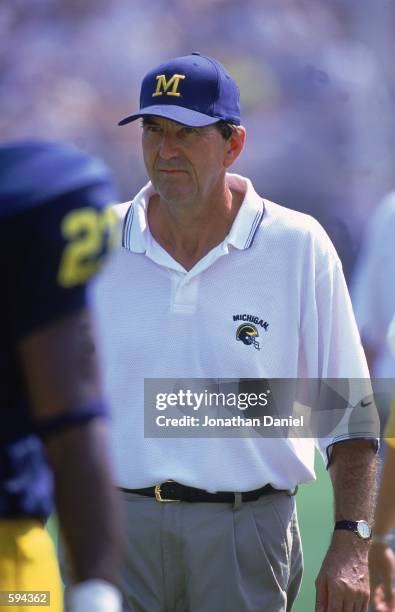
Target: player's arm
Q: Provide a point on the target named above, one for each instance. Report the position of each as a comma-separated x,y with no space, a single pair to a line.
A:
61,372
385,509
343,582
381,556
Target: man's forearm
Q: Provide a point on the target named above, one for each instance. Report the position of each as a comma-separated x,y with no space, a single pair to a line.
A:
343,582
353,473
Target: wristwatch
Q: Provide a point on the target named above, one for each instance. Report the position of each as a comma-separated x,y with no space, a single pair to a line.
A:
361,528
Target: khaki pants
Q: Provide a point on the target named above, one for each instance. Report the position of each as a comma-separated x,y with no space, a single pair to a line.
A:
209,557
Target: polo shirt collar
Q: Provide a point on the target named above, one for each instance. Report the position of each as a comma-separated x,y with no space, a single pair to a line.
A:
135,226
136,232
250,214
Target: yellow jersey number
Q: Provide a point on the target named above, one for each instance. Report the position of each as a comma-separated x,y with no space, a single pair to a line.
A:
89,234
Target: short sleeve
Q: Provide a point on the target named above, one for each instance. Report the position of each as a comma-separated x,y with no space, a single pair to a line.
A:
347,408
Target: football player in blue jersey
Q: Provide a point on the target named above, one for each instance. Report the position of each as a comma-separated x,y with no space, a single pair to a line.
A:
55,233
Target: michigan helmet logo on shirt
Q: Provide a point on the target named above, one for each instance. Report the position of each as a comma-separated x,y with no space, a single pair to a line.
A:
248,334
168,87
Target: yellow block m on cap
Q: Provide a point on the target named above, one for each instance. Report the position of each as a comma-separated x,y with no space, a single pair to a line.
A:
163,85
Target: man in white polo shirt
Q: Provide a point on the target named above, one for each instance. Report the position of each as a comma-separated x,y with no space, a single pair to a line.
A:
213,282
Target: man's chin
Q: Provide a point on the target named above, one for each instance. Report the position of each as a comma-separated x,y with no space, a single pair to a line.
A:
172,195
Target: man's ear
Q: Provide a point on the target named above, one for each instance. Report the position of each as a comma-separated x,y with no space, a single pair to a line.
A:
234,145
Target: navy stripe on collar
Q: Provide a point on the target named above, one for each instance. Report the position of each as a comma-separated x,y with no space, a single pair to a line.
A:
254,227
127,225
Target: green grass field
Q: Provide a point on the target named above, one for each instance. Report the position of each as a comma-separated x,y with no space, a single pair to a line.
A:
315,510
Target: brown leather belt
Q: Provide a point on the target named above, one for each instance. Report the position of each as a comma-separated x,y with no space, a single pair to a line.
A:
171,491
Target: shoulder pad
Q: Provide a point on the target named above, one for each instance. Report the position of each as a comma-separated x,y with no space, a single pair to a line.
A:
31,173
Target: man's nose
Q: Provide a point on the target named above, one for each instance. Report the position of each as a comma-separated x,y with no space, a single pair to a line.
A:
168,147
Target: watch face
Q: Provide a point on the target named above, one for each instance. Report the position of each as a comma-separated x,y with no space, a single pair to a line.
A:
364,530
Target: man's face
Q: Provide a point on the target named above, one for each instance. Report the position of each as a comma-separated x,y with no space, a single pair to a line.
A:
183,163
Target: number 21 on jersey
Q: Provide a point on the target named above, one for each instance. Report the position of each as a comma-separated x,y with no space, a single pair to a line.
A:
89,234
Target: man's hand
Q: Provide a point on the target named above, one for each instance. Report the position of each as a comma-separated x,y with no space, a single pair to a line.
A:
343,581
382,572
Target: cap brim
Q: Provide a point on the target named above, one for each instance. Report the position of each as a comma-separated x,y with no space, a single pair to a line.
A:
179,114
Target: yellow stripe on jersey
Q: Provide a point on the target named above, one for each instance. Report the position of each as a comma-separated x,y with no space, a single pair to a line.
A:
28,563
389,433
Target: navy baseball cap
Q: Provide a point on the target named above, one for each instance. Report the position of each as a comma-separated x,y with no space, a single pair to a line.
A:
194,90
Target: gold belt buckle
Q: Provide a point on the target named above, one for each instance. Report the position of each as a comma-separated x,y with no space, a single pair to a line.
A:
158,495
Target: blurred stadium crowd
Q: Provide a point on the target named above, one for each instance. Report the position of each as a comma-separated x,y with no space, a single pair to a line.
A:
317,89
